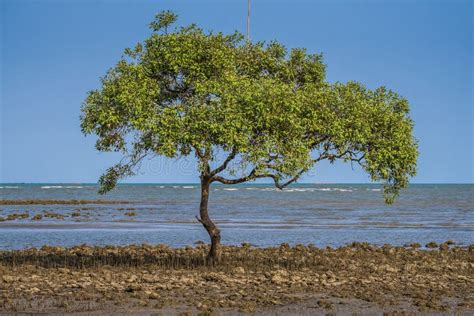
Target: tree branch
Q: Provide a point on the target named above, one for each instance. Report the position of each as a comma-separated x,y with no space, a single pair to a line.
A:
254,175
322,156
204,159
225,163
281,186
198,153
199,220
251,176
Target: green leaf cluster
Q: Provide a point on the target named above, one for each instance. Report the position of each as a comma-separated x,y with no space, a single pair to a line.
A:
269,109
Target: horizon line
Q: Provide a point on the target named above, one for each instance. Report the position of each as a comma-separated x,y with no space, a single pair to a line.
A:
198,183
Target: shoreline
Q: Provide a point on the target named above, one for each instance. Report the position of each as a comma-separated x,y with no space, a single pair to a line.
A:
60,202
154,279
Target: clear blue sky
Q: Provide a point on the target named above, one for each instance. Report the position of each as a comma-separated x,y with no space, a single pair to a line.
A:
53,52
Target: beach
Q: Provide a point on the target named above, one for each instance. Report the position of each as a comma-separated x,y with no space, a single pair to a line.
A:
158,280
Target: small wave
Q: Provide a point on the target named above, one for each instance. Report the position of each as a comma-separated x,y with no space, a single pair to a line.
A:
232,189
73,187
332,189
251,188
161,186
175,186
188,187
298,190
342,190
52,187
376,190
9,187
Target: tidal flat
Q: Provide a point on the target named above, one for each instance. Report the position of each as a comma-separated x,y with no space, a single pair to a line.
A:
357,279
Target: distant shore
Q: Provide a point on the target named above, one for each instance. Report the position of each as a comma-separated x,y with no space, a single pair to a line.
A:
59,202
156,279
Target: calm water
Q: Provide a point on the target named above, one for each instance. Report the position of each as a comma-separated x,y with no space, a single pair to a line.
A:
320,214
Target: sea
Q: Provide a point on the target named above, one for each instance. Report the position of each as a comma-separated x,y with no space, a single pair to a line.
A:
319,214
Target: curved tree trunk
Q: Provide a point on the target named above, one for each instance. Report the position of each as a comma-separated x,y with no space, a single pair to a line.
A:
214,232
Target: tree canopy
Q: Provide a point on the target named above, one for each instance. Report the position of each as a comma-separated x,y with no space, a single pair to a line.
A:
268,110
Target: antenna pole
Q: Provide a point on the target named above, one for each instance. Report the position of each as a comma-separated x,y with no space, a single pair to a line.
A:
248,21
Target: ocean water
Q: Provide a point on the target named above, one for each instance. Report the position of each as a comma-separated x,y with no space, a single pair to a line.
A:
319,214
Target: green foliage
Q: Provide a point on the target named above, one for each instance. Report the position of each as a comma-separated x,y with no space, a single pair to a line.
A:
271,110
163,20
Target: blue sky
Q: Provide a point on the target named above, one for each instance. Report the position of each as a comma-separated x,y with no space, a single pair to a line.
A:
53,52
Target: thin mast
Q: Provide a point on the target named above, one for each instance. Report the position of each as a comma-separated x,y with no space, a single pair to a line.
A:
248,21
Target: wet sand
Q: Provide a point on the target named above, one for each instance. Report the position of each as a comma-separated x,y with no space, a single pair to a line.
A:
158,280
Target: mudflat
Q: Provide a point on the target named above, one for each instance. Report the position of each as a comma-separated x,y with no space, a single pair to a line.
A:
158,280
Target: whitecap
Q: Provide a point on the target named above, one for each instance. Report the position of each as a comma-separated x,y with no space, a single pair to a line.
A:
231,189
9,187
342,190
376,190
188,187
324,189
51,187
73,187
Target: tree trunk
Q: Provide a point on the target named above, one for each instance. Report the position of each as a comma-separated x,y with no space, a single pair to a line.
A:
214,232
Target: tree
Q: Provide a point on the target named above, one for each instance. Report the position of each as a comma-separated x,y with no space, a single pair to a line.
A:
246,111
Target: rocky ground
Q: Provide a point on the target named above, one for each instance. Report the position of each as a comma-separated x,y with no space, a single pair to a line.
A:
158,280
